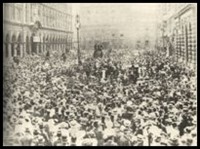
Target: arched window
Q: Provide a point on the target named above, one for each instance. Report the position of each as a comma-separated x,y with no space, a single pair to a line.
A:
47,40
44,47
39,10
13,11
33,45
26,12
6,44
53,43
27,45
19,42
43,16
190,27
13,45
31,12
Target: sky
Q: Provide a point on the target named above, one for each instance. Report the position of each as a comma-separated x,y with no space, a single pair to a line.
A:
142,14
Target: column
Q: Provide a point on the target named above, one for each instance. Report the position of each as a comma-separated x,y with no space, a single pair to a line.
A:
21,50
50,47
37,48
41,46
15,50
179,46
30,49
189,44
44,47
59,47
185,44
9,50
62,47
182,45
47,47
194,38
24,50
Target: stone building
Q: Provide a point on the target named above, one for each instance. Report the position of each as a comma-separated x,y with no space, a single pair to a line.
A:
35,28
179,30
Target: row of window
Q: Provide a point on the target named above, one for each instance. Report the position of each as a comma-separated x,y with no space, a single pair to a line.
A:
47,16
172,7
64,7
13,12
53,18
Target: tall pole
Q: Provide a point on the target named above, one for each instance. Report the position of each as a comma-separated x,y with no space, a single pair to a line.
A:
78,26
78,46
23,37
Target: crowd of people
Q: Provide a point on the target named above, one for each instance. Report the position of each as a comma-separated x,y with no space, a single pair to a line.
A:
149,101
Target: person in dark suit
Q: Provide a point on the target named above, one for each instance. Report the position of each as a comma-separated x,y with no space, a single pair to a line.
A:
66,50
16,60
47,55
64,57
98,53
110,141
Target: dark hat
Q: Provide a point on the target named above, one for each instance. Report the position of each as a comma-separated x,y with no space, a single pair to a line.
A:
35,132
27,130
59,132
40,138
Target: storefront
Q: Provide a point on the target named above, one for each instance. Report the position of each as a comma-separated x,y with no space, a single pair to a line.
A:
185,35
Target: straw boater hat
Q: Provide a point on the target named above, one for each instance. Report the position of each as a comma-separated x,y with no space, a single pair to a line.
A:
140,137
127,123
40,138
174,141
116,125
73,123
87,142
64,132
27,130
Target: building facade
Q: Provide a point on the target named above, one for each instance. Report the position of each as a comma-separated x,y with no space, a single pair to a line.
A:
179,30
35,28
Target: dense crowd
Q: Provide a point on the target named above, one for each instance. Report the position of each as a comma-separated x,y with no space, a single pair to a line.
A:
148,101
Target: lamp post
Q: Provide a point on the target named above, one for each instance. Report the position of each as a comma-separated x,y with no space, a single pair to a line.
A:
78,27
122,41
163,32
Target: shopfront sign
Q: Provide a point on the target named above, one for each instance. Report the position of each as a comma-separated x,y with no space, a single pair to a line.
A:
36,39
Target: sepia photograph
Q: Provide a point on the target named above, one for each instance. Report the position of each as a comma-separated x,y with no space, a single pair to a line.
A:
99,74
